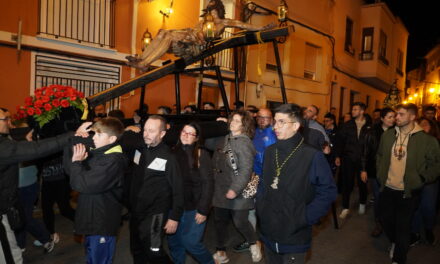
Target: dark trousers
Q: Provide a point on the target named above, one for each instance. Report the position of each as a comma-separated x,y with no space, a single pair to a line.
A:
425,215
188,238
222,219
272,257
55,192
350,170
146,239
100,249
396,213
28,195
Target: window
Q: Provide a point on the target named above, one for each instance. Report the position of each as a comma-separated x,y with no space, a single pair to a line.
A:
89,77
367,44
348,46
84,21
310,64
383,48
399,68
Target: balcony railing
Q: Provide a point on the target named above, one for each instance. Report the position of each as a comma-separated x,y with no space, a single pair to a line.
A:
85,21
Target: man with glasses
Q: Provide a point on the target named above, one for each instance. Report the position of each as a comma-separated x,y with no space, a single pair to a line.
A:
298,190
264,137
12,153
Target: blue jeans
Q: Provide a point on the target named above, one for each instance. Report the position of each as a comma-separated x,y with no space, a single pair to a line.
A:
188,237
425,214
28,195
376,190
100,249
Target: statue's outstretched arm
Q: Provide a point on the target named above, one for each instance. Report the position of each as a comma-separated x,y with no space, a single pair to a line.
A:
246,26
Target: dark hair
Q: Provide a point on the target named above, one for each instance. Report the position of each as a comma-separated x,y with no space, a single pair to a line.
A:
163,121
110,126
378,110
4,109
143,111
217,6
331,116
385,111
316,108
434,129
412,108
166,109
252,109
193,108
430,108
293,110
197,145
246,120
116,114
209,103
360,104
239,104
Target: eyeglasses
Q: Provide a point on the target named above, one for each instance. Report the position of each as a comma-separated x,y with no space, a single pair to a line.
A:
188,133
281,123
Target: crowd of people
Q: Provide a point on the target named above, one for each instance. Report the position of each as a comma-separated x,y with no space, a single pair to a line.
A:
274,174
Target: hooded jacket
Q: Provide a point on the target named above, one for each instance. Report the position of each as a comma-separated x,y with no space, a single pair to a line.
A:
422,159
99,181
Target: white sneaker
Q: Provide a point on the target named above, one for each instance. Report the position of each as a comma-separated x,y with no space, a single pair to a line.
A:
220,257
361,209
393,245
37,243
344,213
256,252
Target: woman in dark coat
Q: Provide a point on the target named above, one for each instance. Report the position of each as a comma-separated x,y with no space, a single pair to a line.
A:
233,162
196,169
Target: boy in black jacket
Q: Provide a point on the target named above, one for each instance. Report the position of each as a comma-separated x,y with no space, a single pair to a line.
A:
98,177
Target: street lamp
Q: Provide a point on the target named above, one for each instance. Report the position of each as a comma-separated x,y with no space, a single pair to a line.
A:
146,39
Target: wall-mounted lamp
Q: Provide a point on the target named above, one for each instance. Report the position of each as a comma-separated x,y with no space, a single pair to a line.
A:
168,11
209,27
146,39
282,11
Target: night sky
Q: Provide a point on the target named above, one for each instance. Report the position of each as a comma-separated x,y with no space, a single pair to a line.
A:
422,19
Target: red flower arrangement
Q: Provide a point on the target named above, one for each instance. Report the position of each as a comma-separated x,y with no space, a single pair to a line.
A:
48,102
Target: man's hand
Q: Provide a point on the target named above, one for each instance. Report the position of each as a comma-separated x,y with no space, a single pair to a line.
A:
326,149
135,129
171,226
364,176
231,194
200,218
79,153
338,162
83,130
29,135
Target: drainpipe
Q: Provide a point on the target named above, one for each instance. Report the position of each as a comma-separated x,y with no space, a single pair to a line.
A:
133,34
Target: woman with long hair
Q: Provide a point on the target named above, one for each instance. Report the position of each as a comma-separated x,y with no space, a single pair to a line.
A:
233,162
198,183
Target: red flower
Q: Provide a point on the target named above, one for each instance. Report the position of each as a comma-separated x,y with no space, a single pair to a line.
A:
59,94
65,103
49,92
47,107
56,102
72,98
45,98
38,104
28,101
30,111
81,95
38,111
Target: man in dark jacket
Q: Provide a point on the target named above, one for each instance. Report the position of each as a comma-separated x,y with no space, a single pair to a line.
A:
406,160
156,194
348,150
11,153
298,190
98,177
